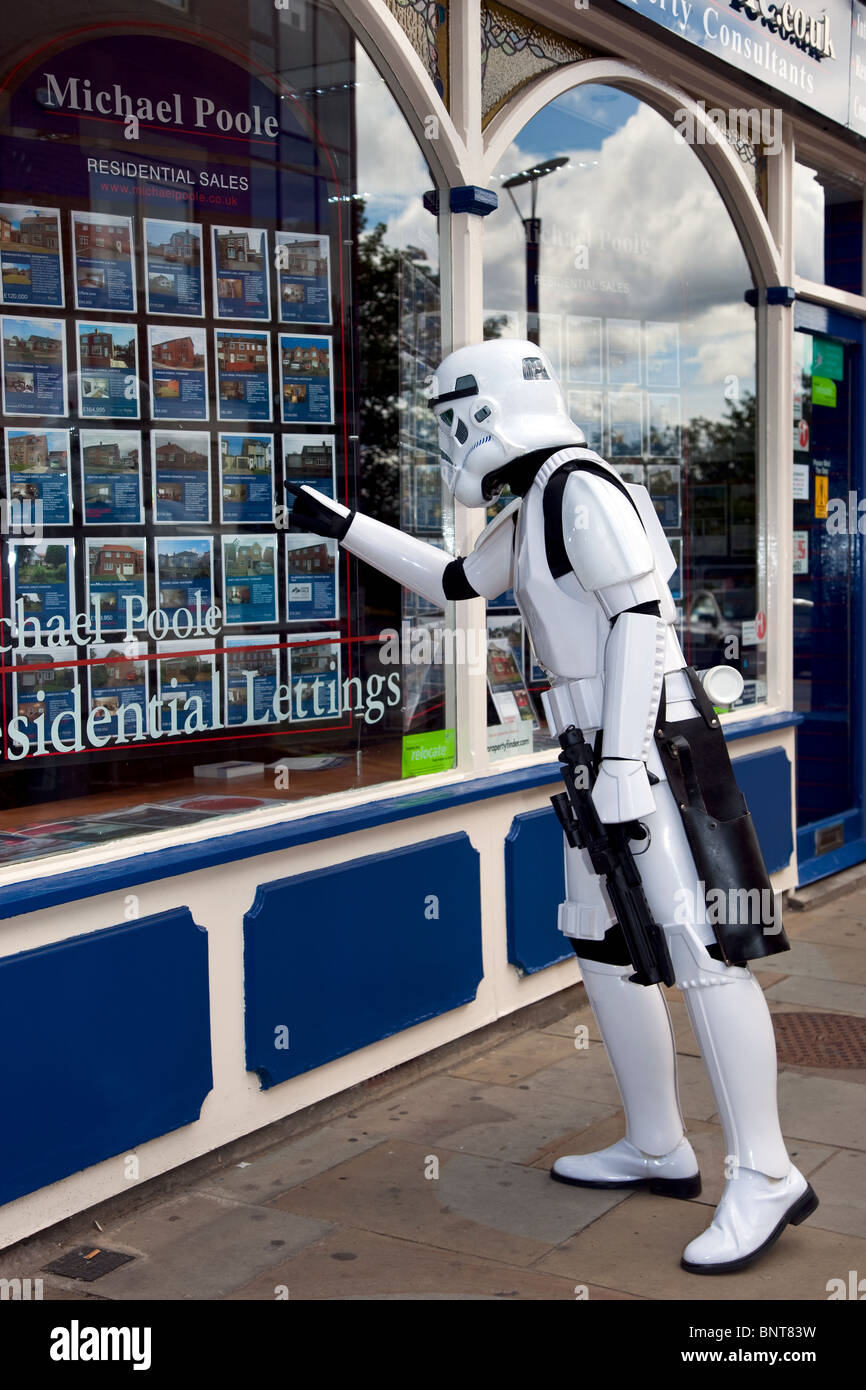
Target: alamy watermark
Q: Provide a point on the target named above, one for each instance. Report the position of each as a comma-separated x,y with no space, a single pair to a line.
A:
753,125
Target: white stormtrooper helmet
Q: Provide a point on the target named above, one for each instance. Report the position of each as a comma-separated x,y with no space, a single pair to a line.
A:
495,402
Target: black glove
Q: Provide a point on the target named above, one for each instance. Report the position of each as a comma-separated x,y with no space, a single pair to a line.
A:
309,514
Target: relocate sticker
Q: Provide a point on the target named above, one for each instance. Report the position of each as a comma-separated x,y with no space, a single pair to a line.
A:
823,391
431,752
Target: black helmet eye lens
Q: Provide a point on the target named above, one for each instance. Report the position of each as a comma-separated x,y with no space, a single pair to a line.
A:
447,418
461,432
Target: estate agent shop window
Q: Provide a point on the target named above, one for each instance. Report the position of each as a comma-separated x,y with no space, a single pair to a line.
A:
226,280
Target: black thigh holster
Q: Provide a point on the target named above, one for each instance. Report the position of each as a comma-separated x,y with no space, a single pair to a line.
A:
740,903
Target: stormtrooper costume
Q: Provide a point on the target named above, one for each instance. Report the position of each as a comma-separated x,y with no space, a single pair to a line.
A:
589,564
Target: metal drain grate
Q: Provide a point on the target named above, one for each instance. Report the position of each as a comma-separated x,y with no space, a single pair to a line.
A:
820,1040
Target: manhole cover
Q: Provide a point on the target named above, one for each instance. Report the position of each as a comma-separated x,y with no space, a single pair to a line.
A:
820,1040
87,1262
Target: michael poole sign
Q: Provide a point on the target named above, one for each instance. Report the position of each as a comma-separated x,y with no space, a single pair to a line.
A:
803,50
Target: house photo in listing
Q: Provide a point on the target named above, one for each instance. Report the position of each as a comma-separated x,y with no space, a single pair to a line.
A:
432,655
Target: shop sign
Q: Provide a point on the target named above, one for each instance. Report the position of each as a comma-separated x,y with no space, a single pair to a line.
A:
804,51
828,358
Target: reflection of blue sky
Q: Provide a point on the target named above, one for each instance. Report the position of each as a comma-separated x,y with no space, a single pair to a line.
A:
595,112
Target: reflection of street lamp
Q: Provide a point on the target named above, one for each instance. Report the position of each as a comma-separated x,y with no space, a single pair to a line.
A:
532,234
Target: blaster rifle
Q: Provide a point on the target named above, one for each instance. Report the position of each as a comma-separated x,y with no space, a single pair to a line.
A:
610,854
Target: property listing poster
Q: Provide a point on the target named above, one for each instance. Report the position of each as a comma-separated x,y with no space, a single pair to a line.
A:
107,370
250,579
117,683
241,287
178,373
508,628
56,682
550,340
184,574
583,348
246,478
116,592
311,569
623,352
314,677
243,374
585,409
664,426
251,674
304,270
102,247
31,264
111,477
505,682
631,473
309,459
662,354
663,485
173,268
185,687
625,424
43,580
34,367
306,383
38,474
180,469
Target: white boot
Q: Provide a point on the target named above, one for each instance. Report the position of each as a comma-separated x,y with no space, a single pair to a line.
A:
751,1216
764,1191
636,1029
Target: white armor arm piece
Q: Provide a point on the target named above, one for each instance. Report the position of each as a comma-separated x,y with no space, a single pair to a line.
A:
611,554
420,566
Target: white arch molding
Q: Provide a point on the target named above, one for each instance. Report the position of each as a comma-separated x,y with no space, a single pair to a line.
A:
719,159
405,76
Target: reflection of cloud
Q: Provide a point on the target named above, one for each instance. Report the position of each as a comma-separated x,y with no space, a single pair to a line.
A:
723,341
391,170
659,243
809,222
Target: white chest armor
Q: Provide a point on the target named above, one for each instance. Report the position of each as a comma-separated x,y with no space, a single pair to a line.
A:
566,622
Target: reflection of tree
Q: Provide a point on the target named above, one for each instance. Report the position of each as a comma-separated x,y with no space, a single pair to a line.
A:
393,318
723,451
377,301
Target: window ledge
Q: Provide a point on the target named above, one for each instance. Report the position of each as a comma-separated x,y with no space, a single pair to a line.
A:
212,843
223,845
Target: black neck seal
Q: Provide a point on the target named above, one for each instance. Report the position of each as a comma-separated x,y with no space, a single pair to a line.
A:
519,474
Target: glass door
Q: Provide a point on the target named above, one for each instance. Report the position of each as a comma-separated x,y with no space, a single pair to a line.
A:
828,529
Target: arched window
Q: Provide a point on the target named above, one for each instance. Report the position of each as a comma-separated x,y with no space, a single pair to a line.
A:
612,248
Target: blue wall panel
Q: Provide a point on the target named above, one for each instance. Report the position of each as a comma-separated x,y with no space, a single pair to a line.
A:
765,780
106,1043
340,957
534,888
